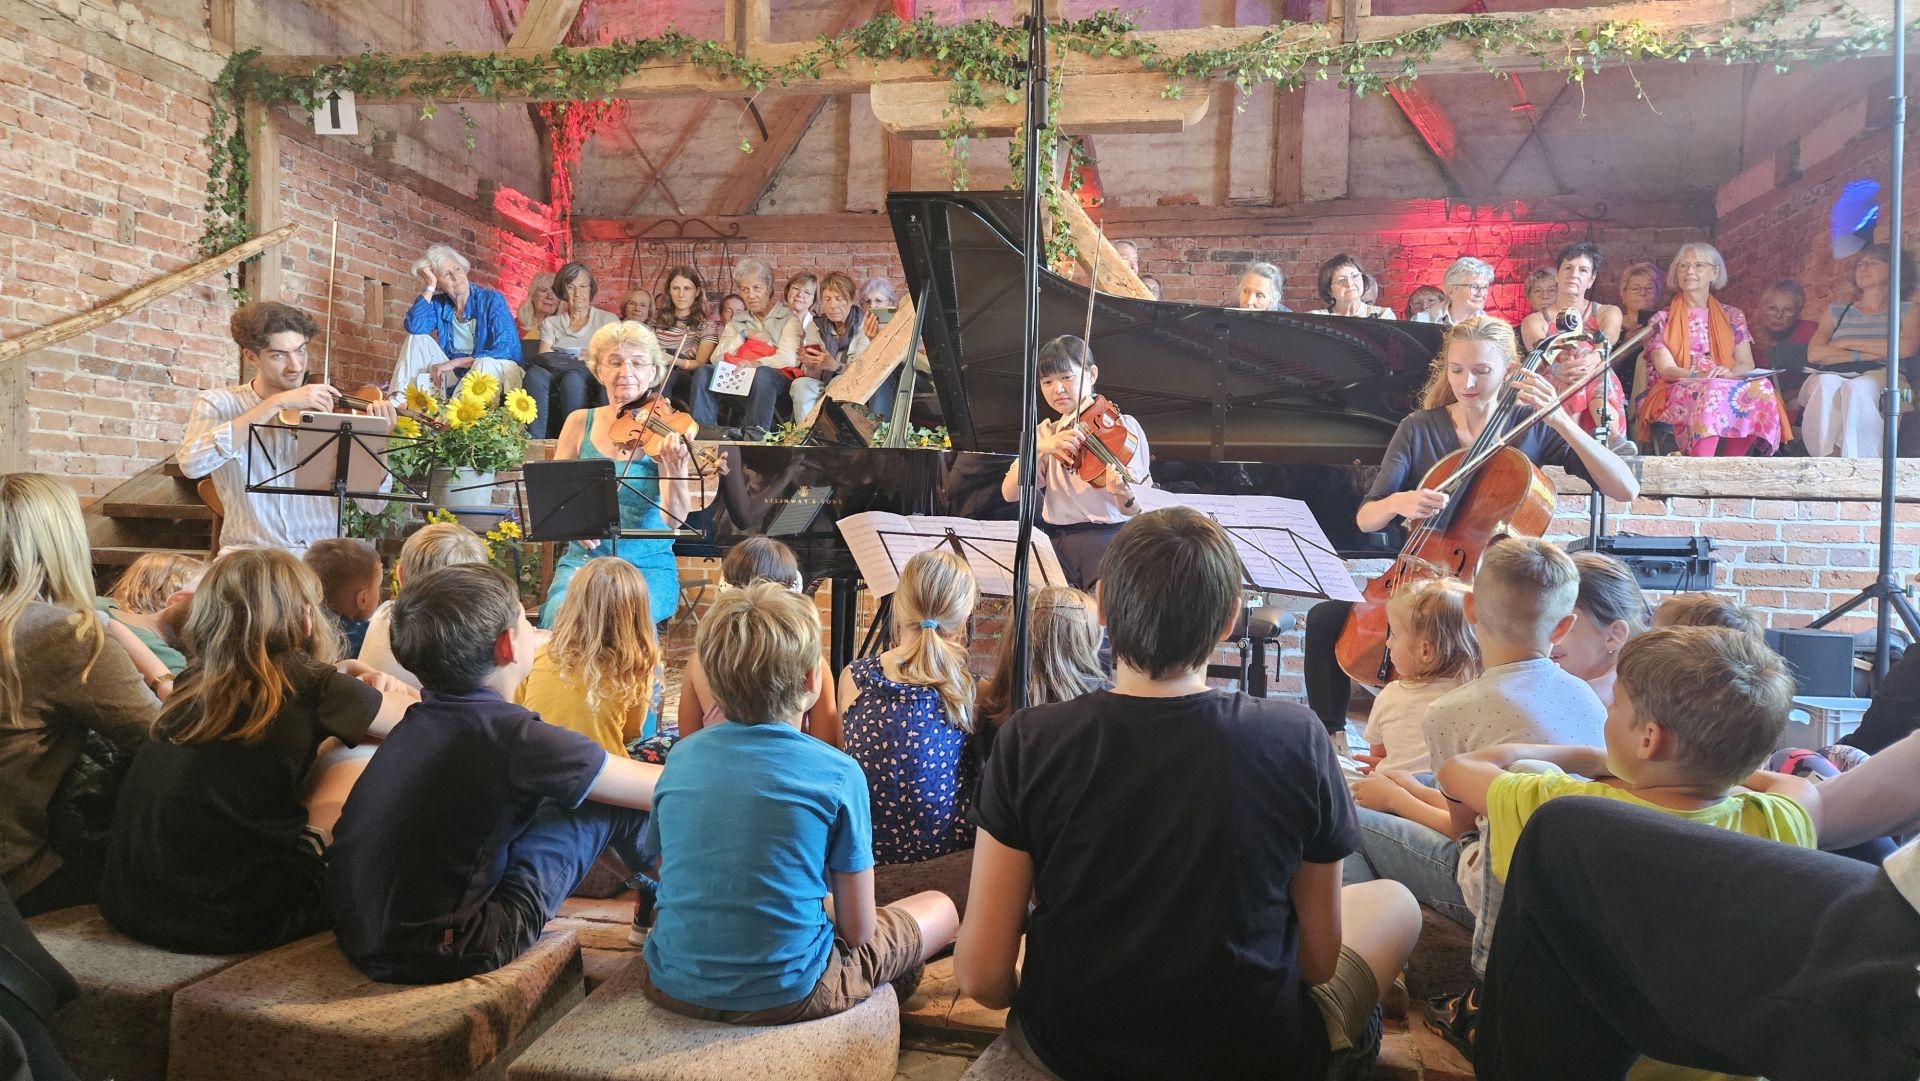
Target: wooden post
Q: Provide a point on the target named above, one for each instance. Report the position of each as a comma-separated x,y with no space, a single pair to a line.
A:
1289,134
15,385
220,22
266,280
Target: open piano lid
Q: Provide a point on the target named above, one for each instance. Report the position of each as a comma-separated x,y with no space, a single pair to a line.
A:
1204,382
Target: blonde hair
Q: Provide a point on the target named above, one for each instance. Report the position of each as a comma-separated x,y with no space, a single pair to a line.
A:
1435,609
254,606
1721,693
937,587
1707,610
527,316
625,332
757,646
1063,656
437,545
603,641
43,560
1524,587
1479,328
148,581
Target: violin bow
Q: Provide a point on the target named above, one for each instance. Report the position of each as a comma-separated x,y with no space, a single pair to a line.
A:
326,350
1467,468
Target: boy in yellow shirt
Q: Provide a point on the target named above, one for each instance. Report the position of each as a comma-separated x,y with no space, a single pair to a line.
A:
1695,712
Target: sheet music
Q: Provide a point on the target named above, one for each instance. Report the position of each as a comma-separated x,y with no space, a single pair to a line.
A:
731,378
1281,545
882,543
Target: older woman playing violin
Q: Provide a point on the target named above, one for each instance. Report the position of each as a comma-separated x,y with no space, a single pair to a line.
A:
655,493
1477,360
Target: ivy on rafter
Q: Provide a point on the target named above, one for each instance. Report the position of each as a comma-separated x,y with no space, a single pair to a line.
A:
983,61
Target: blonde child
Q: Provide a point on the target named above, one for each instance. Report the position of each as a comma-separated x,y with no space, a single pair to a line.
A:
1063,658
597,675
1433,652
1707,610
217,842
436,545
139,600
909,713
759,559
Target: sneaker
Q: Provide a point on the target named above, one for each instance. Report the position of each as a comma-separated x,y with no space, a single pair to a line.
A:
1456,1018
647,895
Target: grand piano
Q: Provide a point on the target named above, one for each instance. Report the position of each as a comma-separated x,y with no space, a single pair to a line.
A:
1233,402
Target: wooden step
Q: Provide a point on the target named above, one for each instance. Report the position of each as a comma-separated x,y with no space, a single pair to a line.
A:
122,556
155,494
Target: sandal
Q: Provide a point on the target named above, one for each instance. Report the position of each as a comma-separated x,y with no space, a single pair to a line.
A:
1456,1018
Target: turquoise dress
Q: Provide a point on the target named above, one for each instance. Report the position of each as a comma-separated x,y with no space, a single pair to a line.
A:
653,557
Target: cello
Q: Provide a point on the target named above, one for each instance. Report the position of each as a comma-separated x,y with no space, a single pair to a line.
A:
1494,491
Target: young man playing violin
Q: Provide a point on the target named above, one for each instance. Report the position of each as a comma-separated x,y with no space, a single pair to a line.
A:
1080,515
1478,359
273,338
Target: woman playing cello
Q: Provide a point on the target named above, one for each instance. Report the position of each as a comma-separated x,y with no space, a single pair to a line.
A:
1477,359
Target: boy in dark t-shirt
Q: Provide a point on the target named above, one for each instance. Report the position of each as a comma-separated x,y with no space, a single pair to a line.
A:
1210,937
477,818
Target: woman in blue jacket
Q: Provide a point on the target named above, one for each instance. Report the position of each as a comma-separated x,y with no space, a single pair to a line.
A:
454,327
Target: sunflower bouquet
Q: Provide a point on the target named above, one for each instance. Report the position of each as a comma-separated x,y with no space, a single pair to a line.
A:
483,430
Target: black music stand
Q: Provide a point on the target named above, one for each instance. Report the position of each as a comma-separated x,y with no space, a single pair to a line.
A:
340,440
573,499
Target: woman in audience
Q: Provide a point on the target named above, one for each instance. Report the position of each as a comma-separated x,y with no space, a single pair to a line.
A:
1343,290
1542,284
1780,324
1699,352
60,678
764,338
1842,415
909,712
1063,661
454,327
541,302
637,306
830,343
1577,269
755,559
599,673
732,306
1639,297
433,546
558,379
1467,283
655,494
687,334
1425,303
139,600
1610,610
1259,288
219,836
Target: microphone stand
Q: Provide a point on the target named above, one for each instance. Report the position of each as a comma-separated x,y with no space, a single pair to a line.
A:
1029,363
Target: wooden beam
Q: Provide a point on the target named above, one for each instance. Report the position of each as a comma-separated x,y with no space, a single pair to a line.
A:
220,22
132,301
1442,140
15,385
897,156
1115,276
787,121
1815,23
1289,144
266,279
1326,126
746,23
1089,105
695,123
544,24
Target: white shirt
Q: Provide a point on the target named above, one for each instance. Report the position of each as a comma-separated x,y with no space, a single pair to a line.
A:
1065,499
780,329
557,330
1532,701
235,457
1397,721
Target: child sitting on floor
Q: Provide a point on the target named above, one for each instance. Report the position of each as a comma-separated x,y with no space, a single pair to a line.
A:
752,819
1707,610
1433,651
1695,712
435,545
222,822
476,819
350,579
1200,932
596,673
758,559
909,713
1521,604
1063,661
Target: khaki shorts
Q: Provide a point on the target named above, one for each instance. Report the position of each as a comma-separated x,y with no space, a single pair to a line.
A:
850,978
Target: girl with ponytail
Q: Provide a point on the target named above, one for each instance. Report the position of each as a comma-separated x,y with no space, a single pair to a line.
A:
909,714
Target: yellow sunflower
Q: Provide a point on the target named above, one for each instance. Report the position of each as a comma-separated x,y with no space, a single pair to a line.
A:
421,402
506,531
464,411
406,427
481,387
520,407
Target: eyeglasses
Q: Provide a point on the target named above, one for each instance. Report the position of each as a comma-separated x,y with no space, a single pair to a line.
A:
632,364
1700,266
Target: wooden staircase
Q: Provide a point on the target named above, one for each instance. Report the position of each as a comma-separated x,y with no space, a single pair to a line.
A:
156,510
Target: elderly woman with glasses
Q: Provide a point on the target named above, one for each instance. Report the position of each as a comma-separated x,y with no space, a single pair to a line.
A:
655,494
1466,284
1699,352
456,326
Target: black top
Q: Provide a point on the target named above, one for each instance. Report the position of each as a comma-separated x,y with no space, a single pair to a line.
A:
1895,712
207,853
1427,436
423,838
1165,834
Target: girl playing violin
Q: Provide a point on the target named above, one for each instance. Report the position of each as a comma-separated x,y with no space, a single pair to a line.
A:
1477,359
1080,515
655,493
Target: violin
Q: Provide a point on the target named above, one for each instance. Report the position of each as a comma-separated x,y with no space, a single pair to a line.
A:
362,400
650,424
1107,444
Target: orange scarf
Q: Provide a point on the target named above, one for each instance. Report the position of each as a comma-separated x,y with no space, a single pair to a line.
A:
1680,347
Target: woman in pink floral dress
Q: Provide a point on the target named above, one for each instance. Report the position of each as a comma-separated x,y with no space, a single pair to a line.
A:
1698,355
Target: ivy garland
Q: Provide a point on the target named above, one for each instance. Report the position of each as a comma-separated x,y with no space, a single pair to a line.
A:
982,59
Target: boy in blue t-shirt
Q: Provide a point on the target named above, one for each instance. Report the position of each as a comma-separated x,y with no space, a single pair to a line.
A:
755,824
476,818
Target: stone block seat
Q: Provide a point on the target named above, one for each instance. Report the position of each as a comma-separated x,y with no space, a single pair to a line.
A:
1000,1062
303,1012
118,1026
618,1035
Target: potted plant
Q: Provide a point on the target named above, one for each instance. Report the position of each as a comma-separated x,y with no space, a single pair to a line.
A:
481,433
